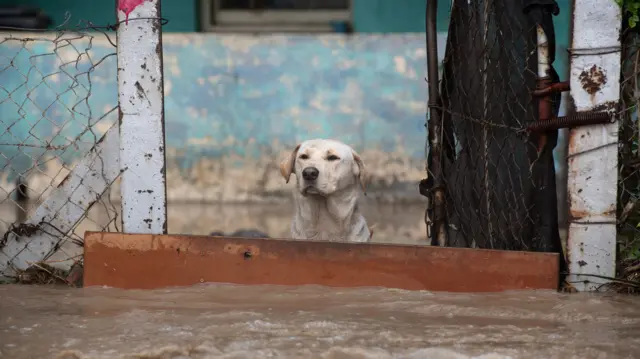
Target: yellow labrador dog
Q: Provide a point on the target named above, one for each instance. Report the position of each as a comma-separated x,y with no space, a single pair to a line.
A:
328,176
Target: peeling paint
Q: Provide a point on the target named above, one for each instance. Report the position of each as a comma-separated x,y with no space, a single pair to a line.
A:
261,95
142,125
127,6
593,150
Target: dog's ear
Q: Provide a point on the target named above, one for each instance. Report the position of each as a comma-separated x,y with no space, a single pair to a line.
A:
287,165
360,171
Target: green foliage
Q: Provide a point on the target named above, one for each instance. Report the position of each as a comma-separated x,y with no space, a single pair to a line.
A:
630,8
631,251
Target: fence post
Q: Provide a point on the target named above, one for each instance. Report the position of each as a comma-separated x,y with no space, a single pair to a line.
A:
593,150
432,187
141,99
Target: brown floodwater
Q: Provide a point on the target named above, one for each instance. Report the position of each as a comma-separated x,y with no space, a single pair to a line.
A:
228,321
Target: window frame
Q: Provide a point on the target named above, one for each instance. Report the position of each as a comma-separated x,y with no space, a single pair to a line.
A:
213,19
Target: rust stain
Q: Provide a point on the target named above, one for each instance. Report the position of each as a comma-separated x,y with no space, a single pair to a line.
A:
236,249
120,115
575,141
592,79
577,215
552,88
147,261
544,109
607,106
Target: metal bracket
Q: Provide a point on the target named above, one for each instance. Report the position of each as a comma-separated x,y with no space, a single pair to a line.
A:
571,121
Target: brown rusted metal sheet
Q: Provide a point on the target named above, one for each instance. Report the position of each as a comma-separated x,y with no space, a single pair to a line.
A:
145,261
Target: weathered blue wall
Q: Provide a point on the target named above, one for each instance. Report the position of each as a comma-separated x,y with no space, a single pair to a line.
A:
286,88
48,105
233,105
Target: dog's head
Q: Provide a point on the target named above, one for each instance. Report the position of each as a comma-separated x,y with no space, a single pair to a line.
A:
323,167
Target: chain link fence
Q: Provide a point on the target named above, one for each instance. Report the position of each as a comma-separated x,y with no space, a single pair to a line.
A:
56,160
629,160
499,177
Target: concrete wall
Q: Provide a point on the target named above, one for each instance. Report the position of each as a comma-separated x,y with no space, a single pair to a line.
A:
384,16
234,106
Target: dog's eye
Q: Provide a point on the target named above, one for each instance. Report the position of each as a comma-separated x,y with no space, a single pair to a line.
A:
304,157
333,158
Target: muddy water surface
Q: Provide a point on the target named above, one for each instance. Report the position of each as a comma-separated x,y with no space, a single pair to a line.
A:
225,321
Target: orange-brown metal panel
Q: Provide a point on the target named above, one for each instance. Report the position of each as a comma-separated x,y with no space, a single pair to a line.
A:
153,261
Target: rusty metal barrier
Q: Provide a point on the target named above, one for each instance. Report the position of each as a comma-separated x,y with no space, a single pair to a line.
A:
146,261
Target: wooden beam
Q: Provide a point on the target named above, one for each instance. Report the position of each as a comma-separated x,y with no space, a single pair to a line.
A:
147,261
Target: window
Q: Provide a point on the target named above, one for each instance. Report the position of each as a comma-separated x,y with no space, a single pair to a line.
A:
276,15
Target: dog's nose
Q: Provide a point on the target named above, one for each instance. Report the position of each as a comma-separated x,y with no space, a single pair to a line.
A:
310,173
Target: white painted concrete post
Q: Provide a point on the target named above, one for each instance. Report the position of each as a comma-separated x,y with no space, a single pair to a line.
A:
593,150
141,99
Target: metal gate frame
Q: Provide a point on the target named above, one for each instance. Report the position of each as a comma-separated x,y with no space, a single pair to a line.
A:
154,259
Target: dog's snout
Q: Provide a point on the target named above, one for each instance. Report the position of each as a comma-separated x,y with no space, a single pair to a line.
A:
310,173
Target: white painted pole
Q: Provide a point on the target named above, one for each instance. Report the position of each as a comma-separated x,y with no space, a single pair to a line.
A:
593,150
141,99
543,53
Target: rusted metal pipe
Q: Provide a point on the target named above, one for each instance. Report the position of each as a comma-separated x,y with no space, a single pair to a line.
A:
551,89
438,232
575,120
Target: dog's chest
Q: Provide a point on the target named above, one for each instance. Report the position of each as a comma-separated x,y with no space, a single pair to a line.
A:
326,228
326,220
329,236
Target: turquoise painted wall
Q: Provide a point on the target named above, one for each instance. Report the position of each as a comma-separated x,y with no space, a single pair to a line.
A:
182,14
359,89
369,16
401,16
385,16
224,94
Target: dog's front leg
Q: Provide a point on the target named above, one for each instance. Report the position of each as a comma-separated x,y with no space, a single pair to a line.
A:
359,232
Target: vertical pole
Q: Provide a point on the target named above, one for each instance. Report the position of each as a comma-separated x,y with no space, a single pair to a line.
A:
437,200
593,150
141,99
485,129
